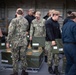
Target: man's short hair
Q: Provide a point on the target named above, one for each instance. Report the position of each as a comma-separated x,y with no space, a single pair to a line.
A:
19,11
32,10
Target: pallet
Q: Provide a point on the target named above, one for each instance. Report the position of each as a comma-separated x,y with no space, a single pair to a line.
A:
34,70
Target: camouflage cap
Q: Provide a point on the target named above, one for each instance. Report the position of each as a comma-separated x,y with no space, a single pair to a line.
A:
19,9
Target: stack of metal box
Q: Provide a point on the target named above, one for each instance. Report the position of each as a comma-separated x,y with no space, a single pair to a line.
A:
34,56
6,59
34,59
4,56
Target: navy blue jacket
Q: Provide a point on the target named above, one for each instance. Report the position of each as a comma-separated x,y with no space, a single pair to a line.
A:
52,30
66,20
69,32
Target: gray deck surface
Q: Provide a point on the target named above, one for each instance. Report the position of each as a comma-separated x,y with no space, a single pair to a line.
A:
43,70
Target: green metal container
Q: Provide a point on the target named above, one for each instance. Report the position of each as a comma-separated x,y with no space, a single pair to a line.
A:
38,42
34,59
2,46
27,37
59,46
6,58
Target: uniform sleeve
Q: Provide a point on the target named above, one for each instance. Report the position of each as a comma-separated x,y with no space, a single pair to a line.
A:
31,30
59,32
11,30
74,32
44,29
27,24
26,17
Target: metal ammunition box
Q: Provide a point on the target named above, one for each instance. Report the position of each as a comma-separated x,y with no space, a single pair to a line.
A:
6,58
38,42
27,37
34,58
58,48
2,46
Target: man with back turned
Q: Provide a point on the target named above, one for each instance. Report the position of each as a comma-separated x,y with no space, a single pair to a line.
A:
17,37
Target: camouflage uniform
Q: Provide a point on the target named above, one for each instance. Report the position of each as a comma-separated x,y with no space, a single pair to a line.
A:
38,28
51,56
56,59
48,49
17,37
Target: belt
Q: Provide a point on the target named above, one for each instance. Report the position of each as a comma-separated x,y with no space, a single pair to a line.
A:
69,42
